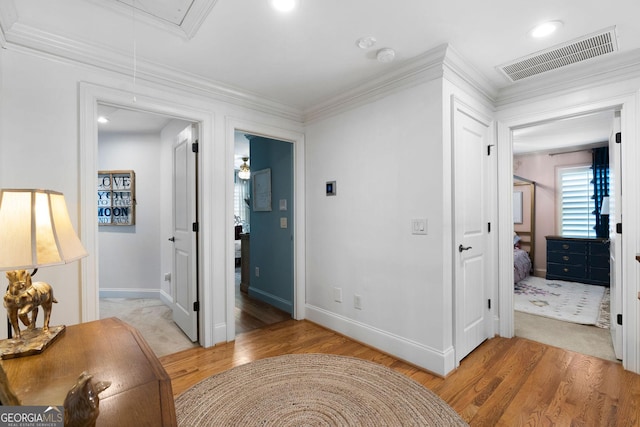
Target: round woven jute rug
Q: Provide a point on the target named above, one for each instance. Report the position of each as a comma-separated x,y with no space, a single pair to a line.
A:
312,390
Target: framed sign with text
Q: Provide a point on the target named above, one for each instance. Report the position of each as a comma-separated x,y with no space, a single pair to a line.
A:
116,197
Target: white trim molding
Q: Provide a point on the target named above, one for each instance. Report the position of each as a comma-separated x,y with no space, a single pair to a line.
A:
438,362
299,212
603,98
92,94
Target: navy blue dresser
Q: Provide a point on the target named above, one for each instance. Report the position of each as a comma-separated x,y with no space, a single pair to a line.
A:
578,260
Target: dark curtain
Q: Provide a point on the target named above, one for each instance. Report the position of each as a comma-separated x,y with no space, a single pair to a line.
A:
600,188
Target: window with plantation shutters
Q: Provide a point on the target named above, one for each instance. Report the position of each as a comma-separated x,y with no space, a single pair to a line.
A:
576,203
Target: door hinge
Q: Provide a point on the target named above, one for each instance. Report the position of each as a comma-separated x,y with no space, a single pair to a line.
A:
488,227
619,319
489,149
619,228
489,303
195,147
195,227
619,138
196,306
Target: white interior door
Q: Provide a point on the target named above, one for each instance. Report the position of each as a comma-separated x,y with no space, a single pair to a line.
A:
615,245
472,314
185,257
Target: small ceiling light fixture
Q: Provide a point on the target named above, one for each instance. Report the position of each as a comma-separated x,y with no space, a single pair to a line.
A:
283,5
103,120
545,29
386,55
244,172
366,42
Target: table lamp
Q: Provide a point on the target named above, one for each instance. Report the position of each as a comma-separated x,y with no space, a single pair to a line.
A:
35,231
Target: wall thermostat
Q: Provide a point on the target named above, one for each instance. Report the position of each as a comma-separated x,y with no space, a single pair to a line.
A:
331,188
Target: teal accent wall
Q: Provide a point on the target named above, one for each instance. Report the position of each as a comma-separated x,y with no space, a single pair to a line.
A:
271,245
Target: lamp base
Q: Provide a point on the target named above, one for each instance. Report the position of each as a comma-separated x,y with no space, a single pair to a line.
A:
33,341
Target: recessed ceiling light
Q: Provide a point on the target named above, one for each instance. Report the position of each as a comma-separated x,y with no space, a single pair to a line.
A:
545,29
366,42
103,119
283,5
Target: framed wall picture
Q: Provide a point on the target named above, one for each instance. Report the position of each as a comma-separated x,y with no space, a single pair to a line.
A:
116,197
262,190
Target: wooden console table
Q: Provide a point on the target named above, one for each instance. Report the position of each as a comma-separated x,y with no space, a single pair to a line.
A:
140,393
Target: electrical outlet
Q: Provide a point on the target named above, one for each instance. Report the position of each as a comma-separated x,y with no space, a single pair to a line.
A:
337,294
357,302
257,271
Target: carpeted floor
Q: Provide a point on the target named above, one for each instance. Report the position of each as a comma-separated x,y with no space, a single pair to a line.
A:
585,339
535,323
312,390
152,318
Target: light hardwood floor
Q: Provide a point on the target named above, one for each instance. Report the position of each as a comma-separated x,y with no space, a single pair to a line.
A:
505,382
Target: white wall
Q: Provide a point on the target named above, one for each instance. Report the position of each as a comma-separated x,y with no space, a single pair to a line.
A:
129,256
41,107
387,160
40,150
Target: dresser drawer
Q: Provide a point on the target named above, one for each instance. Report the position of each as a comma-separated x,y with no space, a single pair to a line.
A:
597,249
567,258
568,271
600,275
599,261
566,246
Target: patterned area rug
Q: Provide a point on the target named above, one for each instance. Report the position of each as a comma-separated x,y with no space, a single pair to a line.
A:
568,301
312,390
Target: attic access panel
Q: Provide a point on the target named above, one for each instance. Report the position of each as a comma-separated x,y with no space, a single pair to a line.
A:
182,16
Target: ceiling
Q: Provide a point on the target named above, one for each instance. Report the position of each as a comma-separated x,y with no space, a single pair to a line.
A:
307,57
304,58
567,134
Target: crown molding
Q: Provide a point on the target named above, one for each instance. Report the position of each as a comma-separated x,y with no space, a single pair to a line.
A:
8,17
464,75
604,70
103,57
441,61
423,68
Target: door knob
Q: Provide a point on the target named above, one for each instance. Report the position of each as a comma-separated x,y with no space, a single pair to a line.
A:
172,239
463,248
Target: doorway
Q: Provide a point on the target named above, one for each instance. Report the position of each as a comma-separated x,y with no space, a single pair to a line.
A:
542,151
263,231
142,288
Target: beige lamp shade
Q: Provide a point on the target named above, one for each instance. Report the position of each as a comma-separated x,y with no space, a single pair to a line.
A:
35,230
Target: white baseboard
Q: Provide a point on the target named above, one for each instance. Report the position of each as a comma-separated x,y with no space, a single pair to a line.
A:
130,293
271,299
432,360
166,298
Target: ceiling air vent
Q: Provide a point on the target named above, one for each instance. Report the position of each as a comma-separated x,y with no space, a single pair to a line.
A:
597,44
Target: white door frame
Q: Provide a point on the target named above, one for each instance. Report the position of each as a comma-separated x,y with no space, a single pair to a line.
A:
299,270
630,122
156,102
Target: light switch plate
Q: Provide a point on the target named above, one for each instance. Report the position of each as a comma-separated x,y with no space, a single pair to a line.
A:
419,226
